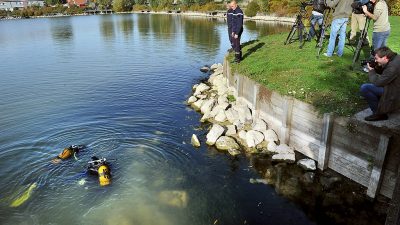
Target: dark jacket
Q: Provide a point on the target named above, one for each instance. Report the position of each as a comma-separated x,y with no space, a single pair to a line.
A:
390,81
229,15
319,6
237,21
342,8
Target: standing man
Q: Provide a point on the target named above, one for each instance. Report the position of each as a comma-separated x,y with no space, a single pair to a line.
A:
381,23
237,30
383,93
358,20
340,18
229,15
317,16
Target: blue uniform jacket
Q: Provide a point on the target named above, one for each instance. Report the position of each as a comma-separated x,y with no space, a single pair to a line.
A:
229,15
237,21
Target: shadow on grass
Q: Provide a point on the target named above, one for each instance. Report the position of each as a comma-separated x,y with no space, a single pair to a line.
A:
243,45
253,49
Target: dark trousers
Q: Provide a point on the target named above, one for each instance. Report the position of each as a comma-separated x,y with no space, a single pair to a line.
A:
230,37
372,94
237,48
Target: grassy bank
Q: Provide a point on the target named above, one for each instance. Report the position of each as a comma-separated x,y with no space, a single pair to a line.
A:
327,83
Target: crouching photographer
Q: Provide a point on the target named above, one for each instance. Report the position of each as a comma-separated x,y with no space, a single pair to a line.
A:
383,93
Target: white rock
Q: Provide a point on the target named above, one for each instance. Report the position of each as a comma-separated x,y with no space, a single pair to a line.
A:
270,135
214,66
219,71
195,141
254,138
207,106
234,152
271,147
205,117
284,149
282,157
231,130
197,105
242,134
307,164
214,76
232,115
215,132
226,143
220,117
202,87
243,113
239,125
191,100
220,65
201,96
259,125
222,99
195,86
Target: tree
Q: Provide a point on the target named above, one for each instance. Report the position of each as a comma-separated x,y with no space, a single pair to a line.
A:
104,4
122,5
252,9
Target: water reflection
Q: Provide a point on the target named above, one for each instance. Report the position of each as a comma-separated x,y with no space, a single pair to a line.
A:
263,28
107,27
143,24
201,34
61,30
126,25
164,27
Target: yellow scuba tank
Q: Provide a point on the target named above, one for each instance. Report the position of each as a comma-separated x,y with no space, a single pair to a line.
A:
104,175
66,153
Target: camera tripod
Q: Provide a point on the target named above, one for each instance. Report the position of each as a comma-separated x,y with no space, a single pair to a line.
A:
321,36
360,43
298,26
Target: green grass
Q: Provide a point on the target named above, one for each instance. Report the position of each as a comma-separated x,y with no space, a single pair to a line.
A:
327,83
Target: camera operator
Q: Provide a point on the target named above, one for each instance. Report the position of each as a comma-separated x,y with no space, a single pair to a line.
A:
383,93
340,18
358,19
317,16
381,22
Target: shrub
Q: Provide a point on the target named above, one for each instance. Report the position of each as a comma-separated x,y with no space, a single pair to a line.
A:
395,9
140,8
252,9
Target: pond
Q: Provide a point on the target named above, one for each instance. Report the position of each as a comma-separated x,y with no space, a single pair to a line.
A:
118,84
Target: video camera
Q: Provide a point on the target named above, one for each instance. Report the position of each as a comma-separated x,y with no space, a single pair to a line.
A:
357,6
370,61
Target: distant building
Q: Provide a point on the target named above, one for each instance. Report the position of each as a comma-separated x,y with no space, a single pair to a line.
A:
10,5
79,3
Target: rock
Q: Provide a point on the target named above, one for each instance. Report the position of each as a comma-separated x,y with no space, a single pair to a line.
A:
207,106
204,69
212,78
253,138
234,152
242,134
222,99
262,146
244,113
195,141
205,117
232,115
259,125
284,149
201,88
284,157
219,71
231,130
270,136
175,198
258,181
220,117
307,164
191,100
197,105
214,66
201,96
272,147
195,86
215,132
226,143
238,124
308,178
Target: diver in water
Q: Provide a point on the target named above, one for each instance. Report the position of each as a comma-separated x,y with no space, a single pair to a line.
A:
101,168
67,153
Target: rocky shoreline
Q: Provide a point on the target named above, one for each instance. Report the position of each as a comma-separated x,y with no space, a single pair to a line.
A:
235,127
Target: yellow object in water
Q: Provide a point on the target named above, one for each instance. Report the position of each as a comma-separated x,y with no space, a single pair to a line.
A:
66,153
104,175
24,196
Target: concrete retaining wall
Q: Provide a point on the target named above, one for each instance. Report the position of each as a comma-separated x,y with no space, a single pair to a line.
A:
348,146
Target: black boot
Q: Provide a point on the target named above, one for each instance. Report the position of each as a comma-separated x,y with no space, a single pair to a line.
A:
238,57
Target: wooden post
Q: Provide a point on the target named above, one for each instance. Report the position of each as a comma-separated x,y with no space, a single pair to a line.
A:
286,119
376,173
393,214
324,149
255,95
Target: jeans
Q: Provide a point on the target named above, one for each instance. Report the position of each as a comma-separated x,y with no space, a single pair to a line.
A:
379,39
315,19
338,26
372,94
